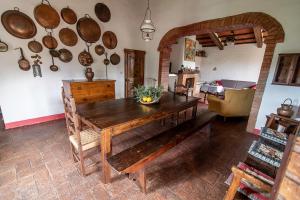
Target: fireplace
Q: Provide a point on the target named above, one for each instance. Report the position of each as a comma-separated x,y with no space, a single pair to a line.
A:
189,82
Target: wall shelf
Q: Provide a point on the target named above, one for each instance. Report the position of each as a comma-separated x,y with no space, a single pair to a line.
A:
288,70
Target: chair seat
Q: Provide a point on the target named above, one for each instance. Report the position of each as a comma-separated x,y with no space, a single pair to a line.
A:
89,139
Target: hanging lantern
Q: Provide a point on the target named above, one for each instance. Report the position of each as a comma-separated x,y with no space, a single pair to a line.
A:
147,27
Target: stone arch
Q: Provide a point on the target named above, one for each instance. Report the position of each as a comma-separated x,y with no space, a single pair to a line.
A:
246,20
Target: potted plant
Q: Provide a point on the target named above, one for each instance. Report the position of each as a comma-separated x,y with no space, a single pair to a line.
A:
148,95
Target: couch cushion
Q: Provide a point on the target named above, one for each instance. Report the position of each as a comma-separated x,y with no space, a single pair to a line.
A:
228,83
244,84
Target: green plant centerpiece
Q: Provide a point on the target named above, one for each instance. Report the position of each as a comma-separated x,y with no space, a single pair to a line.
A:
148,95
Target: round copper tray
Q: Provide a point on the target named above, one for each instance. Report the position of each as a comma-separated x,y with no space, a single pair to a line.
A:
102,12
88,29
50,42
46,15
115,59
109,40
68,37
99,49
68,15
18,24
35,46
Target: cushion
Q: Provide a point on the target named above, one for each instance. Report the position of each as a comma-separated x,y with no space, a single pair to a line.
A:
249,190
89,139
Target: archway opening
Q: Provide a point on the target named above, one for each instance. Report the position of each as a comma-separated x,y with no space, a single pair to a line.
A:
275,34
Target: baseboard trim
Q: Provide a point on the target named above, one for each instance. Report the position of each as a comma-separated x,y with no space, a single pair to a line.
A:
33,121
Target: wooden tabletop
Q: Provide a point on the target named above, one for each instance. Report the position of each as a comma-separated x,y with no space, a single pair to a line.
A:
114,112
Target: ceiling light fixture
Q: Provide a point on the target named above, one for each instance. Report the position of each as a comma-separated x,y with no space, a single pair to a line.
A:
230,39
147,27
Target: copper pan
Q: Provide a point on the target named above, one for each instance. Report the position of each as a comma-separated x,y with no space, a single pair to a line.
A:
102,12
65,55
88,29
35,46
49,41
46,15
68,15
99,49
115,59
109,40
18,24
68,37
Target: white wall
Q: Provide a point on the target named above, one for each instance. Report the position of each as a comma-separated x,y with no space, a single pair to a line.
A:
177,55
25,97
236,62
168,14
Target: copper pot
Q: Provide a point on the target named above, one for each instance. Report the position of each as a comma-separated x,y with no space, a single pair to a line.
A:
286,109
85,58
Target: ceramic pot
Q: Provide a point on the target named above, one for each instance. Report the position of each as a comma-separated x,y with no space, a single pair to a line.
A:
89,74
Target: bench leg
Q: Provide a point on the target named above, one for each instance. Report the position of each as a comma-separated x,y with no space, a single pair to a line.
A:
194,112
105,153
209,130
142,180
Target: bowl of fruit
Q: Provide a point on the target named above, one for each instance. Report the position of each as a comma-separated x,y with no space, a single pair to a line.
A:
148,95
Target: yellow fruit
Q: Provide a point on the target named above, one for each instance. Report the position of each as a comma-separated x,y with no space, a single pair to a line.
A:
145,99
149,99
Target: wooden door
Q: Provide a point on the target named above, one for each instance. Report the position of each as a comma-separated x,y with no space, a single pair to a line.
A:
134,70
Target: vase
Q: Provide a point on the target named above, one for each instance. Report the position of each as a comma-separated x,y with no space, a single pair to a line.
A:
89,74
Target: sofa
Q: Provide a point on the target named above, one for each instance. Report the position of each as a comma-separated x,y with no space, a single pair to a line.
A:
226,83
236,103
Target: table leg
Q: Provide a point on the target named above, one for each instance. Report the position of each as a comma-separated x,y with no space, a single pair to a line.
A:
194,113
105,153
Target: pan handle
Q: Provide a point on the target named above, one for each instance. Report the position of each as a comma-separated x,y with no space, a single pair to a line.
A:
88,45
87,15
16,8
46,2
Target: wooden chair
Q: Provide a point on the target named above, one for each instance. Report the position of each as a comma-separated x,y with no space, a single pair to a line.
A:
83,141
180,89
293,128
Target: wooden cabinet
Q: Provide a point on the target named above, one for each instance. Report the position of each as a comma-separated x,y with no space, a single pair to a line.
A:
84,91
288,70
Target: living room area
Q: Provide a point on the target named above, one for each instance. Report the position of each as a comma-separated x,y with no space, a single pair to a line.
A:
221,68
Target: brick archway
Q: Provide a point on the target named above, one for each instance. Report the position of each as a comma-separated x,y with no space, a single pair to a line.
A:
245,20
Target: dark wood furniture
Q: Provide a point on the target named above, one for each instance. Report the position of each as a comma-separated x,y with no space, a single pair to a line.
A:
83,140
134,70
84,91
293,128
114,117
136,158
287,70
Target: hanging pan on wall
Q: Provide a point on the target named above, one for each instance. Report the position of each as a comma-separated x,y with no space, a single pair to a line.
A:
24,64
18,24
35,46
99,49
3,47
53,67
65,55
109,40
68,37
49,41
85,58
102,12
68,15
88,29
46,15
115,59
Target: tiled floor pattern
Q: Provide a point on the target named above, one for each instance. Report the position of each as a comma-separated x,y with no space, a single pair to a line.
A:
35,163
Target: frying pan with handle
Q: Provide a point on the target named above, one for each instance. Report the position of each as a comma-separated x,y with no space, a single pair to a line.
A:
24,64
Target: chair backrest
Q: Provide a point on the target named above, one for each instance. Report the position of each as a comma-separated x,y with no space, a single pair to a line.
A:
182,89
72,120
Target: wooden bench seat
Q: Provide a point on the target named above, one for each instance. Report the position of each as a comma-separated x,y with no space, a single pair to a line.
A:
134,159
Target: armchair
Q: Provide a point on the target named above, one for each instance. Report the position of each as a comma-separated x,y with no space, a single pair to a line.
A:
237,103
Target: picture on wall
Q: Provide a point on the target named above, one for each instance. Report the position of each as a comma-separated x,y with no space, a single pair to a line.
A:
189,50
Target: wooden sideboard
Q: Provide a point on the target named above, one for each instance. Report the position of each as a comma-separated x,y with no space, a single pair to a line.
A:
84,91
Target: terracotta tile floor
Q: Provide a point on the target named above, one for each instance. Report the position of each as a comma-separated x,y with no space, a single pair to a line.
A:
35,163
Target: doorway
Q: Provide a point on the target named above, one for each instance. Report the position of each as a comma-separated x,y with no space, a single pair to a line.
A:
275,34
134,70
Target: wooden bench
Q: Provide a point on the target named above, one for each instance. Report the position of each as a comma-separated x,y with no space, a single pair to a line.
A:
135,159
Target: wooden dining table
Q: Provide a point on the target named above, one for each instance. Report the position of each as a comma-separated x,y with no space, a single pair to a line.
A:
114,117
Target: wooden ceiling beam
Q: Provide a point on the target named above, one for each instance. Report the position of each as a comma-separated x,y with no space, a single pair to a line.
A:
258,36
216,40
